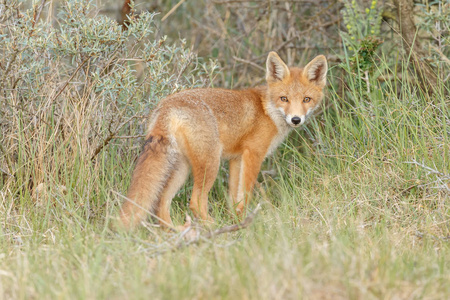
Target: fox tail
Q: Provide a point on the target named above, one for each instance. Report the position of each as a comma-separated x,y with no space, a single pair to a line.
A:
153,169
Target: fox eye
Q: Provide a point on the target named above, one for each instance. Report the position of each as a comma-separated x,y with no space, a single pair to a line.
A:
307,99
284,99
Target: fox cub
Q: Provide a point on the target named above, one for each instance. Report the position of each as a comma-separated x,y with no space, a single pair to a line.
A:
194,129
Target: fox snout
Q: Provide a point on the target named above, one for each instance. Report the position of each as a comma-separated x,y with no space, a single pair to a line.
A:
295,121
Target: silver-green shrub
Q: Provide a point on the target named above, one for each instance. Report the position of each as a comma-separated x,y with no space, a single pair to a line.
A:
73,82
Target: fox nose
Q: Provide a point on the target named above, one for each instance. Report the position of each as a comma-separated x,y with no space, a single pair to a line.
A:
296,120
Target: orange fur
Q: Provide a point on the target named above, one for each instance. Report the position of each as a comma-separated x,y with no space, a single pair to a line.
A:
195,129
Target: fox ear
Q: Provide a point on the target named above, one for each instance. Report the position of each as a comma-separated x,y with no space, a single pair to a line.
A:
316,70
276,68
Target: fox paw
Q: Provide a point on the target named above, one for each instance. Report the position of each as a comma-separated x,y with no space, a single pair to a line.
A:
186,225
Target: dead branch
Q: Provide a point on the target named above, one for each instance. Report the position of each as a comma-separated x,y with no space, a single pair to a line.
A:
130,136
442,181
71,77
195,237
191,235
112,135
244,224
172,10
249,63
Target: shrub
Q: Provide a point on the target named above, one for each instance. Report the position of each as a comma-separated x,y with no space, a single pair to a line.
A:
71,85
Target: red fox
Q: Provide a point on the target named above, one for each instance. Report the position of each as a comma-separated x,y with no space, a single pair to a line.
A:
194,129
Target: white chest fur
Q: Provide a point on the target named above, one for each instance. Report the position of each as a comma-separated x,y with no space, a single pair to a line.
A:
278,118
277,140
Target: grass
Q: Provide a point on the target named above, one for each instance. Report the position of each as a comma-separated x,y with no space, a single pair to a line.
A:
355,205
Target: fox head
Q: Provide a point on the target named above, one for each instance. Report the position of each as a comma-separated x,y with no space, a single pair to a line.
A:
294,93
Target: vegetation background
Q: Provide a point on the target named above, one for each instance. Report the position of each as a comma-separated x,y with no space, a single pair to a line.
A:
355,205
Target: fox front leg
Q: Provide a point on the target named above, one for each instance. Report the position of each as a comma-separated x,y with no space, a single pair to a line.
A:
248,173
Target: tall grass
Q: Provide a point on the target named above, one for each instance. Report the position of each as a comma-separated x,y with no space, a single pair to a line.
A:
355,204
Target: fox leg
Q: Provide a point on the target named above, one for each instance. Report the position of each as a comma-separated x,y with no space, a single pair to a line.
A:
175,182
250,166
204,177
233,180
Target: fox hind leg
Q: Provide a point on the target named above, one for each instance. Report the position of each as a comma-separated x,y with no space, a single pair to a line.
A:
205,173
174,183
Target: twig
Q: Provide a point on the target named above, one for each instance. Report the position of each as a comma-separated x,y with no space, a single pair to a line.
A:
9,67
102,145
430,170
111,136
129,136
71,77
172,10
422,235
232,228
6,172
244,224
8,162
248,62
38,14
187,234
442,55
439,175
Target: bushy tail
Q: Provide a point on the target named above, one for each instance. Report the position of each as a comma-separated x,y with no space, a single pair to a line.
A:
152,170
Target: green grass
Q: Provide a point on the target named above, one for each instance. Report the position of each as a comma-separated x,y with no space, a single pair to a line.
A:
348,215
